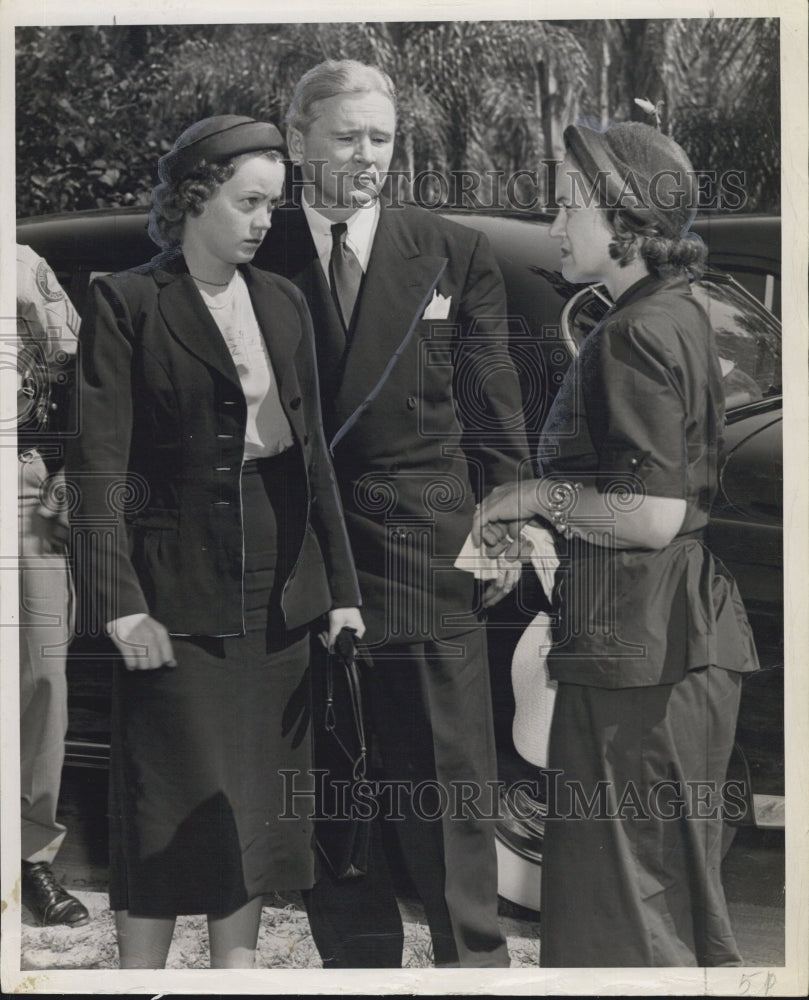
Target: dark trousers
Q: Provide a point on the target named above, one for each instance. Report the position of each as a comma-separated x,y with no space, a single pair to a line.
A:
430,707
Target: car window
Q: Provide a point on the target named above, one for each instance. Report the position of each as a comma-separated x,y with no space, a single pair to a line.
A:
763,285
748,339
748,336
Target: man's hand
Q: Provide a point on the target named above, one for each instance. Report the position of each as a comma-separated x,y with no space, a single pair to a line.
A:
143,642
342,618
508,577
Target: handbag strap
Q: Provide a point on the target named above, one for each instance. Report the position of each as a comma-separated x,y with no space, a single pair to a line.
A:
345,652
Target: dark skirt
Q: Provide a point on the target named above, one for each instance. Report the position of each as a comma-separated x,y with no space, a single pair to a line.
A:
631,861
196,792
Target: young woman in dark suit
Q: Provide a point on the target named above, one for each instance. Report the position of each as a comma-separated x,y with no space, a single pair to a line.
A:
198,391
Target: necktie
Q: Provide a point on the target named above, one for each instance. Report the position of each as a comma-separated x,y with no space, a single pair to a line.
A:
345,274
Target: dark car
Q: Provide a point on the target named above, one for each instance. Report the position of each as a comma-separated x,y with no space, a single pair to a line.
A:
549,318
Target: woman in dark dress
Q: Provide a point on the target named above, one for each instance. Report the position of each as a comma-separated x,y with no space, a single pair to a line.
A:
651,637
215,537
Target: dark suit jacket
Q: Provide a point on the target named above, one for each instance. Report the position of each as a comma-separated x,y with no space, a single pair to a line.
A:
161,402
422,415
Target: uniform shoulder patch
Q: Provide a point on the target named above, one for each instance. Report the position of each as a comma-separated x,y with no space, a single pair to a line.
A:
46,280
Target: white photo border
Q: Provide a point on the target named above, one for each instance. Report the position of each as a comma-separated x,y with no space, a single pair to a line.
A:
793,977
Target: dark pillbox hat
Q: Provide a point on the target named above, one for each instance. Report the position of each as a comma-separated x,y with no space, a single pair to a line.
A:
215,139
647,173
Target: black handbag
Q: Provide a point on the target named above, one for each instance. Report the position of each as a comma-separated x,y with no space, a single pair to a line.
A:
342,837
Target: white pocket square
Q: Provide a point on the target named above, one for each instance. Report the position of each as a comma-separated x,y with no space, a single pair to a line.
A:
438,307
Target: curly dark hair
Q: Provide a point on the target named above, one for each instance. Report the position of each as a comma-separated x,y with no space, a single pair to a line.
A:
663,255
172,202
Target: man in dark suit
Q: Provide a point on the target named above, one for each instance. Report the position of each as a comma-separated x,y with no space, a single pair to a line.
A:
422,409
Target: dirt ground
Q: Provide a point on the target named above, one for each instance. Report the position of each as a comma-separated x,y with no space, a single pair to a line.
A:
753,875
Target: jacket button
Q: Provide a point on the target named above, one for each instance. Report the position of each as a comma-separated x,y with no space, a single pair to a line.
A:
411,402
295,403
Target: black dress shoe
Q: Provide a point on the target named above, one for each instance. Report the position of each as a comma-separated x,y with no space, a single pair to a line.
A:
47,901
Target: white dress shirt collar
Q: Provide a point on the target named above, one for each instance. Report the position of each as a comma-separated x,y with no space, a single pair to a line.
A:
359,236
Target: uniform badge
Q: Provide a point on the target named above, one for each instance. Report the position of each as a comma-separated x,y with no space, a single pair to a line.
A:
43,277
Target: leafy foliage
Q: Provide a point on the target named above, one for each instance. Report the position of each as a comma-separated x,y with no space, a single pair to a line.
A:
729,116
85,136
97,106
714,84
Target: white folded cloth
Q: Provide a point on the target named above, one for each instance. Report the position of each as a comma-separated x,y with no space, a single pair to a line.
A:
534,691
474,560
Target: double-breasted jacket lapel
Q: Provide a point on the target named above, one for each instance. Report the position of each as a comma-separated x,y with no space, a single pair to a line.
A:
396,289
290,250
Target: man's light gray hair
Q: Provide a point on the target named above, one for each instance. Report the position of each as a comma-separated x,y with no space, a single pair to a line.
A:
330,78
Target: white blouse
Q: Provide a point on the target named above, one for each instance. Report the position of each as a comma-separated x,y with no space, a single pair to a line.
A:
268,431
